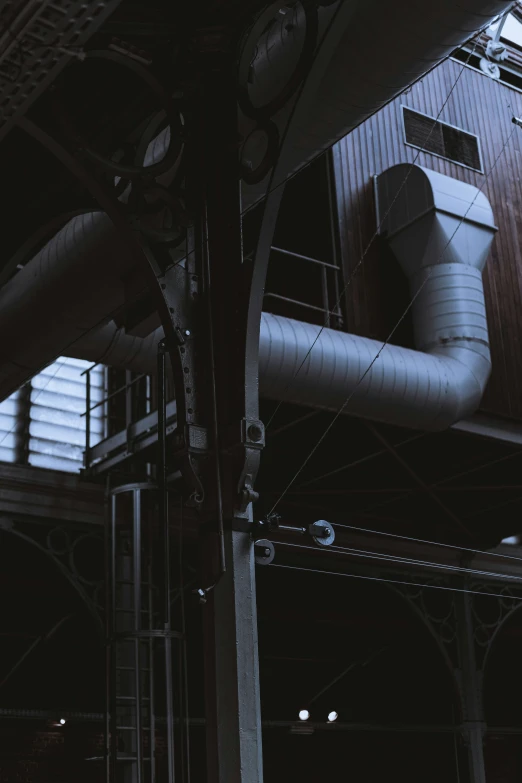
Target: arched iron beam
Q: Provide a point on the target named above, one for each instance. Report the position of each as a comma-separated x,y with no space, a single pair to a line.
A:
509,614
435,636
66,573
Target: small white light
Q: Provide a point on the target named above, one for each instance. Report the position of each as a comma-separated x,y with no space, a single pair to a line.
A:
304,715
62,721
332,717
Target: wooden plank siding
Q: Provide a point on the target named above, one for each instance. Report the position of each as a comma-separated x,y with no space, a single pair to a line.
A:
377,293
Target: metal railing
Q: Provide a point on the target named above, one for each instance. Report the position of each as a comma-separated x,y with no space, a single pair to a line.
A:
138,431
329,289
126,389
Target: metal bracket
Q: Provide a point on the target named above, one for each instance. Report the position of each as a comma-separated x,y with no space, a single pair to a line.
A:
246,494
264,551
179,290
322,532
190,450
246,432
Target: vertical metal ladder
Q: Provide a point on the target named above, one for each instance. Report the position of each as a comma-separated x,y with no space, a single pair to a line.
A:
135,639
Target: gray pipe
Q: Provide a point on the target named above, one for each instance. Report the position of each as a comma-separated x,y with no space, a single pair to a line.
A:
428,391
441,231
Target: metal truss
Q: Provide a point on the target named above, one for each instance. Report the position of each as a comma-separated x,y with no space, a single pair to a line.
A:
37,41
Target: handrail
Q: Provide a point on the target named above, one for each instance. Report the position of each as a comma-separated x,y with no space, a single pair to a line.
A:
114,393
300,304
325,266
89,408
305,258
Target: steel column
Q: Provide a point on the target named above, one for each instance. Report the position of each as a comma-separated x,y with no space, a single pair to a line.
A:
233,712
471,688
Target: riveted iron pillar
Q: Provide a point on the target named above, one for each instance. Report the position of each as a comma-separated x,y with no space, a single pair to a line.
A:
237,436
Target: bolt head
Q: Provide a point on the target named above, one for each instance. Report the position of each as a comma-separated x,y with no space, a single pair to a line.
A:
255,433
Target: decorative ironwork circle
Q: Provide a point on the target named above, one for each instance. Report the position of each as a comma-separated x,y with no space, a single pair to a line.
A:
172,114
270,134
175,205
248,54
58,541
74,558
488,611
482,635
447,632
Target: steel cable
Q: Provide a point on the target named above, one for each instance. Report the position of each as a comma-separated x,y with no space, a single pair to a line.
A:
398,559
397,582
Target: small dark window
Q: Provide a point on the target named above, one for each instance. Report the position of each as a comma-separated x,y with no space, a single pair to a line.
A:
441,139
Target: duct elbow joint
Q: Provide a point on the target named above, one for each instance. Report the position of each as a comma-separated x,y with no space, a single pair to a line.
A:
471,372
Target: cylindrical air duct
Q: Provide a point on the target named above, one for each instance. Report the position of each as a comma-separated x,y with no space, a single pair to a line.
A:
441,231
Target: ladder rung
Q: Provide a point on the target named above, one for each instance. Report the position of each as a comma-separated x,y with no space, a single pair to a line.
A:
131,758
118,758
131,728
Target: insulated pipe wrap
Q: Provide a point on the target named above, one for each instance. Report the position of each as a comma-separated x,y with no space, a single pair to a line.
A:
38,313
112,346
450,308
403,387
430,388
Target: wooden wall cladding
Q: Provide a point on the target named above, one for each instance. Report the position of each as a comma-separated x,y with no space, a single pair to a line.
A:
377,293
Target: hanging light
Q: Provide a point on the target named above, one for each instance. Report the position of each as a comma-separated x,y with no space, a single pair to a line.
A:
62,721
304,715
332,717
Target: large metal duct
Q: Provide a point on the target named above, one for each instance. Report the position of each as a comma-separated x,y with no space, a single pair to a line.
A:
441,231
362,53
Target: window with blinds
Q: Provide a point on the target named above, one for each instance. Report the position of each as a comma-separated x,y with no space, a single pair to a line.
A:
43,424
441,139
9,421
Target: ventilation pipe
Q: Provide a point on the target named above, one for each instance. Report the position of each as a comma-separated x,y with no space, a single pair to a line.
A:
356,55
441,231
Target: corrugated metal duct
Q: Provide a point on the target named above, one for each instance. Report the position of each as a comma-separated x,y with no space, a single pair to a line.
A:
366,51
441,231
